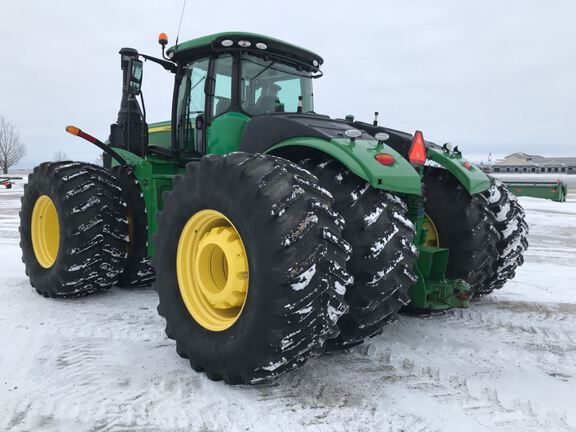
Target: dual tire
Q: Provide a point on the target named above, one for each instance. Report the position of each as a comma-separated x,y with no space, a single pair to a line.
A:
73,232
486,233
289,296
137,269
383,253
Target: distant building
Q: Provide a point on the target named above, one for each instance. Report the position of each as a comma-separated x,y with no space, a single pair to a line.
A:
486,167
525,163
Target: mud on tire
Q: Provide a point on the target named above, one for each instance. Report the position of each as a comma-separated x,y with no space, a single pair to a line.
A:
296,266
137,270
513,229
92,229
465,225
383,253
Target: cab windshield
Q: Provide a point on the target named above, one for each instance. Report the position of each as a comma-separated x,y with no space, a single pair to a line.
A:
268,86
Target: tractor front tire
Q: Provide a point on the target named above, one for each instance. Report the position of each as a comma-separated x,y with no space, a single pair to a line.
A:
137,270
383,253
73,233
513,229
249,266
464,224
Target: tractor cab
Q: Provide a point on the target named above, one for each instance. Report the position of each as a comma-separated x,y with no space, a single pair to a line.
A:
224,80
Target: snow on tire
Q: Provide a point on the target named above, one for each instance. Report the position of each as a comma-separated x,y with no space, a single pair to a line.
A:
137,270
296,260
90,228
383,253
465,224
510,223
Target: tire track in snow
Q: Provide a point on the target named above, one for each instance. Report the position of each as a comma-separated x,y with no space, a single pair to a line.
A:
375,375
534,330
331,393
452,390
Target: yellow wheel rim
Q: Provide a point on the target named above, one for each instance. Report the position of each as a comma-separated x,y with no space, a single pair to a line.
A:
432,238
45,231
212,270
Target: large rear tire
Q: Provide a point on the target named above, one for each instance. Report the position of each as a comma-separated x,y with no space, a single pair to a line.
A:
464,224
262,302
73,233
383,253
513,229
137,270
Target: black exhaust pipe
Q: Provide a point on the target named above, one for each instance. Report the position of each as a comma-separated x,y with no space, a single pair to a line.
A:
130,132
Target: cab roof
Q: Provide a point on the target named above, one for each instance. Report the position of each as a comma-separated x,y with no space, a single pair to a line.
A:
257,43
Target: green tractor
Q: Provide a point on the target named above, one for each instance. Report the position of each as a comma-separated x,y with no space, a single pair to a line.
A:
270,232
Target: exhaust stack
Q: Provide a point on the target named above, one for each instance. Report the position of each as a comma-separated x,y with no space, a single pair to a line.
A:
130,132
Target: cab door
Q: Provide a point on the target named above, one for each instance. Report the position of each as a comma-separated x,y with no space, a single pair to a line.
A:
190,108
224,119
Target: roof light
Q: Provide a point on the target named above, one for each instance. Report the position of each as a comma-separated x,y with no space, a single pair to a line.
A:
384,158
227,42
163,39
353,133
468,165
244,43
417,152
381,136
261,45
315,63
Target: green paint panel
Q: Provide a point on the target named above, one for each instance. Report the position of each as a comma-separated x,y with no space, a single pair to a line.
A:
225,132
358,156
473,179
155,176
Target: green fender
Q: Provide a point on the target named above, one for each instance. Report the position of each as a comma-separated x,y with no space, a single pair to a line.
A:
472,178
358,157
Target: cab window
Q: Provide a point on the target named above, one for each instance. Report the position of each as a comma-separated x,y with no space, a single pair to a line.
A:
191,103
222,99
269,86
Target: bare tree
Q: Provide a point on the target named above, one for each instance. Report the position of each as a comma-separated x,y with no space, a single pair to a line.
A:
59,156
11,148
99,160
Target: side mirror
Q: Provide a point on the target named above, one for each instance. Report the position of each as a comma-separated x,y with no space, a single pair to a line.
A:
199,123
135,76
210,87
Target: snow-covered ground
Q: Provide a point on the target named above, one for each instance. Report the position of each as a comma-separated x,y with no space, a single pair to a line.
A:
103,363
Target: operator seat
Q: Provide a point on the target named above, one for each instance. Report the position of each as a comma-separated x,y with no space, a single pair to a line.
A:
268,100
222,106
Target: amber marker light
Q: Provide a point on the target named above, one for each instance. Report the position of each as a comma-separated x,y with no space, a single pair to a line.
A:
163,39
79,133
73,130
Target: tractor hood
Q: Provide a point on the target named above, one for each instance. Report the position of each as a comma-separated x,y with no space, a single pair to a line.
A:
263,132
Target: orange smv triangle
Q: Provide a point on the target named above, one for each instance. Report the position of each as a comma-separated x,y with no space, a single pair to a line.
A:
417,152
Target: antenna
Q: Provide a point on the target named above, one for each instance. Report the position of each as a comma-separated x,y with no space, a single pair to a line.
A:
180,25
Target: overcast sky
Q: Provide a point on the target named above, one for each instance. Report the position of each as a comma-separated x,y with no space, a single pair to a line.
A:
490,76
